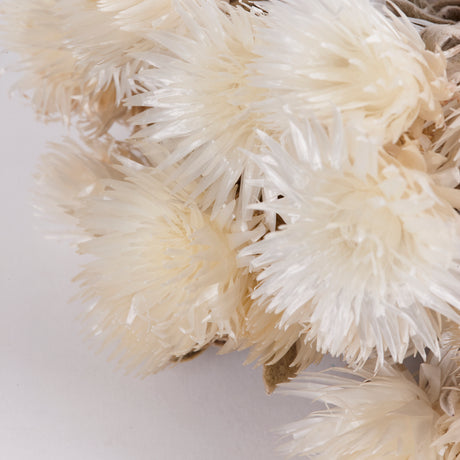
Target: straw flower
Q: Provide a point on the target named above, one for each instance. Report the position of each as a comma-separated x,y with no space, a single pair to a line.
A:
68,173
75,60
350,54
198,95
163,277
369,254
388,415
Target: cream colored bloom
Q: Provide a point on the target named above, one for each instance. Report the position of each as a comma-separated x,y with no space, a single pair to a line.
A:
76,61
198,94
369,256
70,172
164,278
350,54
383,416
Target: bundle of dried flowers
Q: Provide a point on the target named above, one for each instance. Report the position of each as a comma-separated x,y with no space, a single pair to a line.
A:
287,183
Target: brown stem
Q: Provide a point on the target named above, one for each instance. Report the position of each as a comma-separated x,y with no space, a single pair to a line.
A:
413,11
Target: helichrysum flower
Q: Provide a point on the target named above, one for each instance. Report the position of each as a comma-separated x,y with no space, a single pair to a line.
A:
351,54
34,30
76,61
164,278
198,95
70,172
369,256
383,416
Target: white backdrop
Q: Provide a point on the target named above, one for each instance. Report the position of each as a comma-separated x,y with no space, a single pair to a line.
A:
58,398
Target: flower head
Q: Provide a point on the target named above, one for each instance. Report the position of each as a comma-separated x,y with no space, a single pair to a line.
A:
350,54
369,254
76,60
164,278
198,94
69,173
383,416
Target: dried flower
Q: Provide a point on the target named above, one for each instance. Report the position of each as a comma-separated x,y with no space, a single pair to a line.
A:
284,352
76,61
66,175
350,54
164,278
198,95
369,254
381,416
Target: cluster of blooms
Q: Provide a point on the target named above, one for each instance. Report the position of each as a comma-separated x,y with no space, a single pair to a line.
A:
277,175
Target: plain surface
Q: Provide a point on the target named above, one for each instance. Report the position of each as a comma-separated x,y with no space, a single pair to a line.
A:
58,398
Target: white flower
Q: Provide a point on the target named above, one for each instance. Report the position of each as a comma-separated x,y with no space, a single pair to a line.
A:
369,256
66,175
198,95
164,278
76,61
383,416
352,54
33,29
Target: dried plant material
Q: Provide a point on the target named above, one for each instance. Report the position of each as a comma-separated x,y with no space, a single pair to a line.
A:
418,10
274,347
76,63
446,158
362,49
359,260
280,372
142,16
446,38
434,11
287,180
388,415
214,120
248,3
189,356
163,277
450,335
70,172
447,9
270,343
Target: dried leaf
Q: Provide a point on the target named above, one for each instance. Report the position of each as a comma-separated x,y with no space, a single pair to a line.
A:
280,372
